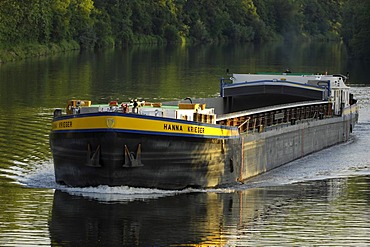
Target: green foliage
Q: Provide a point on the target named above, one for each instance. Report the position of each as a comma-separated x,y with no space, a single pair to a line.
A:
17,52
356,27
106,23
321,17
199,31
171,34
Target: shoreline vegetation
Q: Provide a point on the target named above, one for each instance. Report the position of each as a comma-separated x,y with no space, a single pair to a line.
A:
42,27
25,51
21,52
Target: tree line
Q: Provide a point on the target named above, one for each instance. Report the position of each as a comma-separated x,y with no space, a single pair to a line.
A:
100,23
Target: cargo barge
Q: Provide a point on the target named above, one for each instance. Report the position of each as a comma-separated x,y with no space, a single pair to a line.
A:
259,122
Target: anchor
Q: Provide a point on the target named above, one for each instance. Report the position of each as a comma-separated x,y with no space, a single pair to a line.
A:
132,159
93,158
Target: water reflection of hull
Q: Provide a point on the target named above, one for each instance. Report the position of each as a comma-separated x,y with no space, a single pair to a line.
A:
209,219
77,221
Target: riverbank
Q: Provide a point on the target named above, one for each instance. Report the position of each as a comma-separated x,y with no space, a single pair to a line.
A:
20,52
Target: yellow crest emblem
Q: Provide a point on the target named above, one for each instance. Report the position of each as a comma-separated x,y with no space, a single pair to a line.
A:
110,122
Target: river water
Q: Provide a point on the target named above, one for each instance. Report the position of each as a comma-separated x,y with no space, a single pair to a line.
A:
320,200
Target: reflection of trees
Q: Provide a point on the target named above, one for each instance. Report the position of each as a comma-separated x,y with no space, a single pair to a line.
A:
24,138
24,215
164,72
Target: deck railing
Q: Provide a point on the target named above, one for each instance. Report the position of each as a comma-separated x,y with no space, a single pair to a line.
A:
258,121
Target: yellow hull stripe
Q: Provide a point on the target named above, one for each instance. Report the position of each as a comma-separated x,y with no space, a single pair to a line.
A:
350,110
132,124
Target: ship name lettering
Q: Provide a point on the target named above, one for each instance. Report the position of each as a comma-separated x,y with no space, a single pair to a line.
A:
65,124
198,130
174,127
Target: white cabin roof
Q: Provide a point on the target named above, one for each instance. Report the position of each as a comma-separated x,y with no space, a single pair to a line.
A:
336,81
